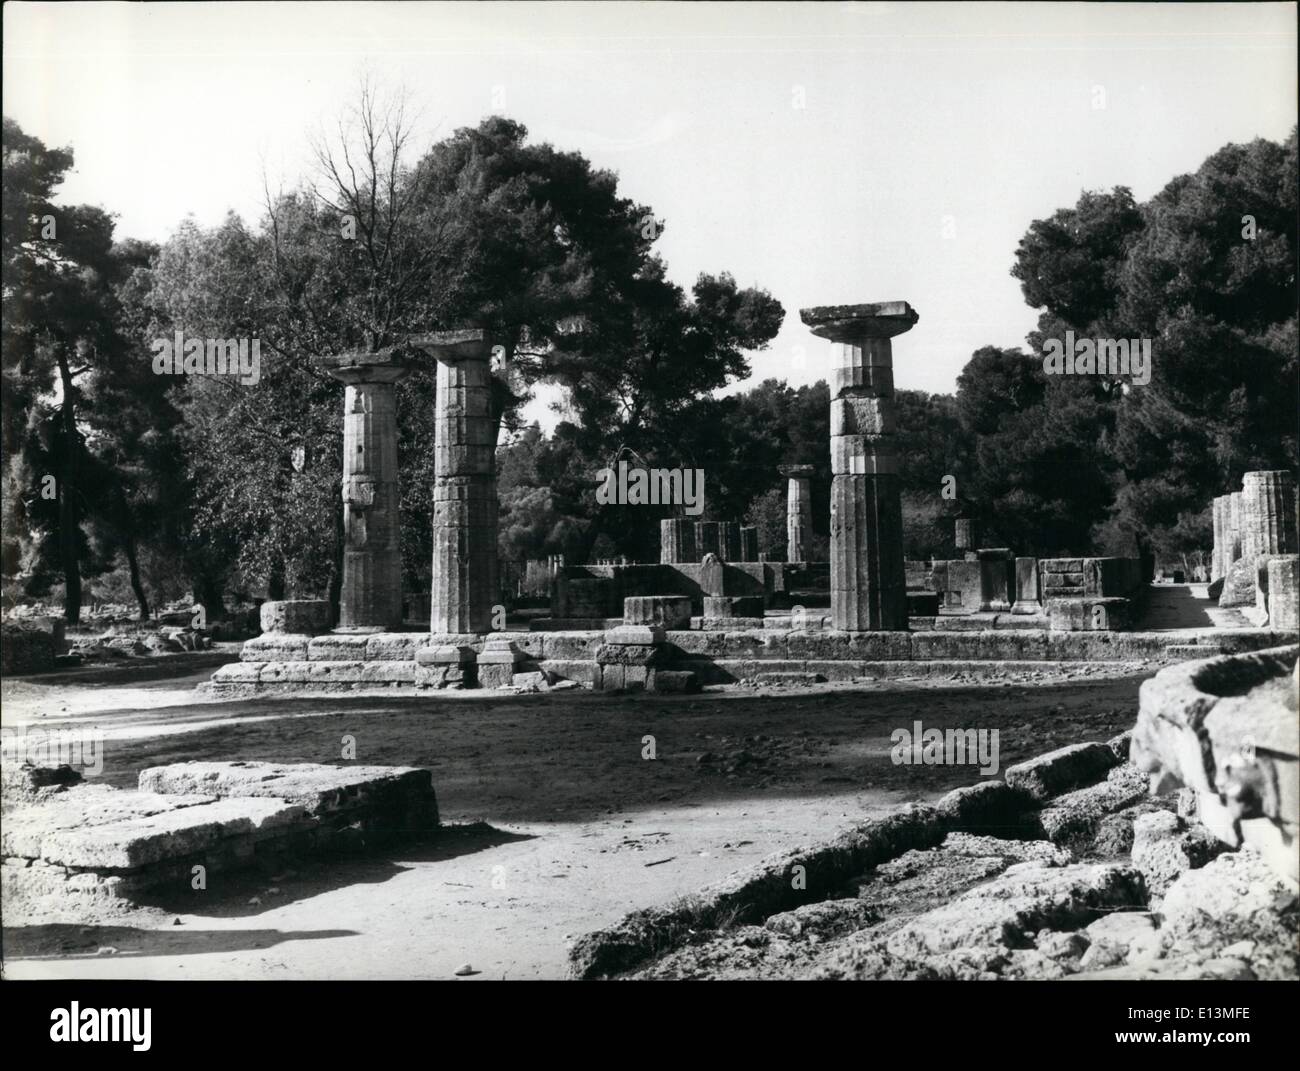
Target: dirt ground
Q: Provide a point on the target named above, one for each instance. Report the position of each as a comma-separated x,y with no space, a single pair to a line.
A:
555,822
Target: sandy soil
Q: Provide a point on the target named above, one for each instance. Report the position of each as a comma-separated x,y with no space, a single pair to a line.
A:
556,823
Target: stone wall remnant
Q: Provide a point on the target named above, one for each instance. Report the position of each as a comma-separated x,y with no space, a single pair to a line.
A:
677,541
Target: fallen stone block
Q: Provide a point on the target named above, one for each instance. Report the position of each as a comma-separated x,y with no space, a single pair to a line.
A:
279,647
1073,818
675,681
169,835
1166,846
1061,770
664,611
295,616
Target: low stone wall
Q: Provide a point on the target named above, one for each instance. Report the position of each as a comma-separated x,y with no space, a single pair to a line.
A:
683,659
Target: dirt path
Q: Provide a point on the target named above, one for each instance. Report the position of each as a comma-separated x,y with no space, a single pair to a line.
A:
557,824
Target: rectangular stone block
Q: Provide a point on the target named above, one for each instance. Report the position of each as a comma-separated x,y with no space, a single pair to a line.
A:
1062,565
612,678
862,455
338,648
278,647
585,672
862,415
636,635
569,645
665,611
389,672
394,646
1089,614
135,842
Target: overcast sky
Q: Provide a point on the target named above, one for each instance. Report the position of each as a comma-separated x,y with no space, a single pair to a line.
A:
929,137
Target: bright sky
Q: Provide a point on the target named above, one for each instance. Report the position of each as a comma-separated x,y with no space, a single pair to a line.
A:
929,135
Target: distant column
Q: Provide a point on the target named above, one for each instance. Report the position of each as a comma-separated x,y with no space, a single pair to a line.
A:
868,577
749,544
729,535
677,541
966,536
1222,508
372,555
708,538
798,511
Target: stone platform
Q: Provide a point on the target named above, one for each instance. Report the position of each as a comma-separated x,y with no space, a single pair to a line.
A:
74,839
652,659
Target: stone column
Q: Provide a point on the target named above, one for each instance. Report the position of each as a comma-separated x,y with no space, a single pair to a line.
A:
868,578
708,538
966,536
1235,520
798,511
729,535
1027,601
465,563
997,575
1268,501
677,541
372,553
1221,508
749,544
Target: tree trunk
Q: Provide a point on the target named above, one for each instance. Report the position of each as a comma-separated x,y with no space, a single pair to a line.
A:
68,530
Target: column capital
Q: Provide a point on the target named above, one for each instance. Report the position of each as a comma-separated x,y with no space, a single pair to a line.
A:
854,323
796,472
460,344
384,366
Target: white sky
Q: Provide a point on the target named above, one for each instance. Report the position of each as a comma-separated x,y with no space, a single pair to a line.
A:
913,112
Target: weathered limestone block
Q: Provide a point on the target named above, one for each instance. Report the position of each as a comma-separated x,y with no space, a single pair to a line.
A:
498,661
131,843
634,635
275,647
677,541
1284,591
338,647
238,673
1226,728
666,611
1027,587
1089,614
571,645
1062,770
623,654
723,607
389,672
394,646
997,575
1166,846
295,616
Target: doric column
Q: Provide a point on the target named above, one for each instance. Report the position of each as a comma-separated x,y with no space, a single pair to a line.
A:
729,536
868,579
966,537
465,564
749,544
798,511
1269,522
372,553
1221,508
708,538
1235,525
677,541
